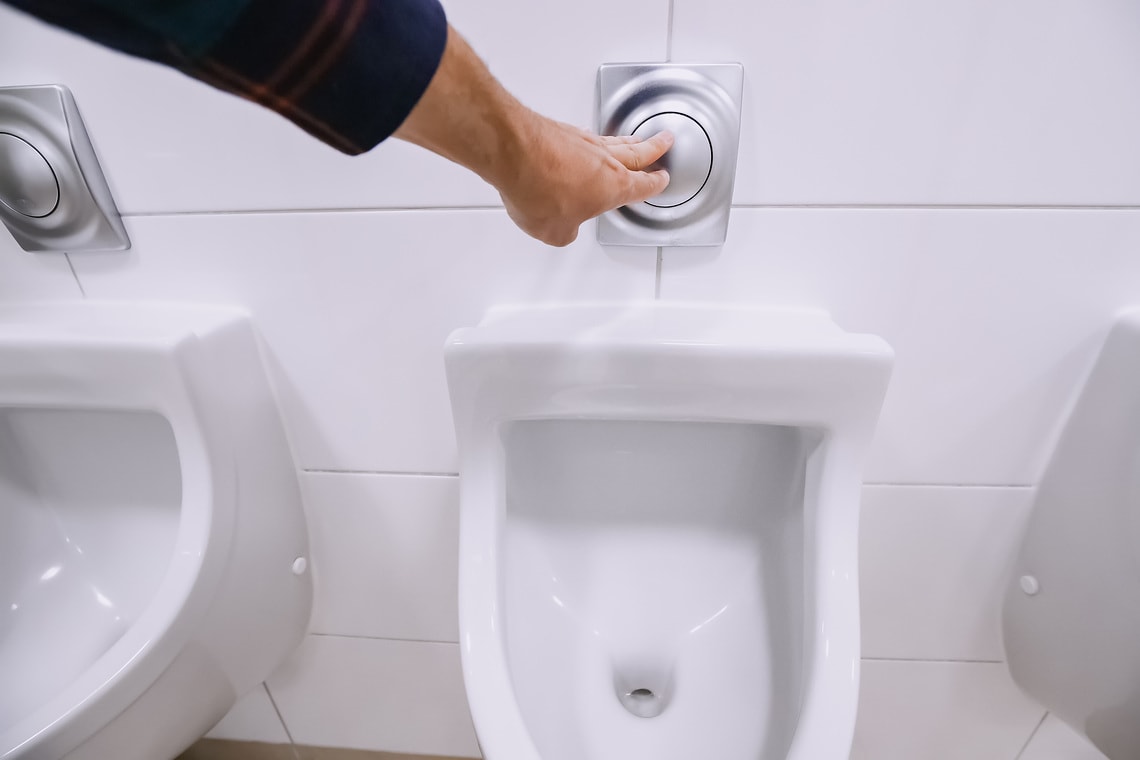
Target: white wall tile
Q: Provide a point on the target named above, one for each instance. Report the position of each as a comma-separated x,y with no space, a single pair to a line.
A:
355,308
385,553
33,276
941,711
252,719
921,101
933,564
169,143
392,696
1056,741
995,316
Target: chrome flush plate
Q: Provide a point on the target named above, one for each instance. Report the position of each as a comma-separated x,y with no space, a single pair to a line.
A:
53,195
700,105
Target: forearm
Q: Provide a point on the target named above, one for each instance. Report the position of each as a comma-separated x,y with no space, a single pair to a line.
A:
467,117
347,72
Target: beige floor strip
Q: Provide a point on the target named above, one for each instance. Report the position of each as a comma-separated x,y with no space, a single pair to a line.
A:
218,749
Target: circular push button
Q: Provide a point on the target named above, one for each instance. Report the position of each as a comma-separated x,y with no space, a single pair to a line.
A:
689,161
27,183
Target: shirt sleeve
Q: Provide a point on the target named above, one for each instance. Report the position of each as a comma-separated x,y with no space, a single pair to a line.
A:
346,71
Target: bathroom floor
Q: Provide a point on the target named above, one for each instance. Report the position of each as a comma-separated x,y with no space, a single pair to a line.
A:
217,749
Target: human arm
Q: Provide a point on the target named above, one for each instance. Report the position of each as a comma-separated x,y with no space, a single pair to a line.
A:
352,72
551,176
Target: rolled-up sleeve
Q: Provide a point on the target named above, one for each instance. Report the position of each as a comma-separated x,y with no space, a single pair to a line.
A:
346,71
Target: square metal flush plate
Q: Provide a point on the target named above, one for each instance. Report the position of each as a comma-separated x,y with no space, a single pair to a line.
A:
700,105
53,195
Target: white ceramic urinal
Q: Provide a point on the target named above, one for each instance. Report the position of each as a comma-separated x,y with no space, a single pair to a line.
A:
659,519
1071,619
150,529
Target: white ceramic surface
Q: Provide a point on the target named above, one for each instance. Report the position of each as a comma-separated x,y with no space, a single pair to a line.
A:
376,694
353,308
941,711
995,317
253,718
932,568
392,540
926,102
1073,643
589,568
1056,741
27,277
152,519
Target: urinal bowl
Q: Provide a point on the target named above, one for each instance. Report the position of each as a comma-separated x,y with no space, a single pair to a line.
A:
151,520
659,511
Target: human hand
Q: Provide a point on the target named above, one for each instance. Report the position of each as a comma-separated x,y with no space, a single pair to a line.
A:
551,176
567,175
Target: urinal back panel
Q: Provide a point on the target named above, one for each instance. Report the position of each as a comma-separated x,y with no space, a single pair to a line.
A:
663,562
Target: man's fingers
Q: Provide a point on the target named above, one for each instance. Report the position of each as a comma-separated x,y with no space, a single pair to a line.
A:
619,139
645,185
640,155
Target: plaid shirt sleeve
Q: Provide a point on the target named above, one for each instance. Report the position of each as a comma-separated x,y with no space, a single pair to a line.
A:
346,71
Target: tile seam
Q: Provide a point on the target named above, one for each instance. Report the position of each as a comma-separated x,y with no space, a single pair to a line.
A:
383,638
934,660
742,206
394,473
281,718
1032,734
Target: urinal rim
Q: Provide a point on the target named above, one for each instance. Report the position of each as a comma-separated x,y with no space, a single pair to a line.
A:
556,347
123,673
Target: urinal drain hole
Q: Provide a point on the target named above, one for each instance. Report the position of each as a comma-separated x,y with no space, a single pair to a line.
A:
643,703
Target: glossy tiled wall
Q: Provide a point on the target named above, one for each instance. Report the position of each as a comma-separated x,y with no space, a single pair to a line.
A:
961,178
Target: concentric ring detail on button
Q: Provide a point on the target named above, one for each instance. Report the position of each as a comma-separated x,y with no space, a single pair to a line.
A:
28,185
689,161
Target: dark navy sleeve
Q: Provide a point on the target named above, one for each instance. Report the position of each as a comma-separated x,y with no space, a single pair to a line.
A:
346,71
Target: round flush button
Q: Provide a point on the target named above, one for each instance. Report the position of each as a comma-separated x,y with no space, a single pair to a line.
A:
689,161
27,183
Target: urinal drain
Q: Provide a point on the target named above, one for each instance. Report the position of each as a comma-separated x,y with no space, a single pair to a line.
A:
643,703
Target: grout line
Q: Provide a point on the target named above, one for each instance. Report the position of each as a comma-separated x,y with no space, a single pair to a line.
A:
936,206
657,278
669,34
943,661
657,295
407,473
280,717
753,206
1010,486
382,638
1032,734
78,282
280,211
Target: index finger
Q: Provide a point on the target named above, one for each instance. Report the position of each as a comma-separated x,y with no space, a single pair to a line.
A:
640,155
